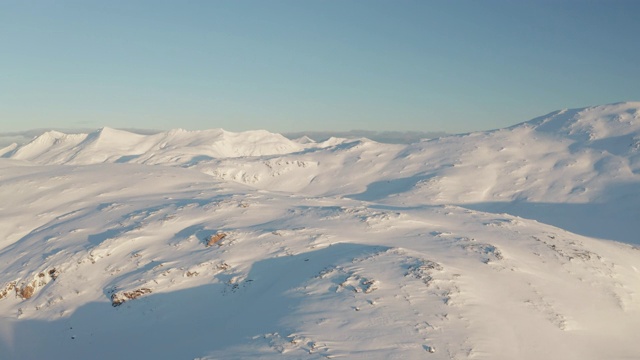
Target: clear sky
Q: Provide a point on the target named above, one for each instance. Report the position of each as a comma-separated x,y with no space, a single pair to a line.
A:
284,66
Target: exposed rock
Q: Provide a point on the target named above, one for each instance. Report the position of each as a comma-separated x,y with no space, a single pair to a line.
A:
53,273
7,288
118,299
26,292
27,289
215,238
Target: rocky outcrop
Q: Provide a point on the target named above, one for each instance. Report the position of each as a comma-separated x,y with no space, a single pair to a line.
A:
120,298
26,289
213,239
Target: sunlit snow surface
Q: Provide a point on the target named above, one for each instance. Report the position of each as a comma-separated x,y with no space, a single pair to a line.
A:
511,244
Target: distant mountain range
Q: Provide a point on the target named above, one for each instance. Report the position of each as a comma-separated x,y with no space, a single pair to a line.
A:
390,137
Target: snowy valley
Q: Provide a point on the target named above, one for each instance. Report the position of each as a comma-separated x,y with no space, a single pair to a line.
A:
516,243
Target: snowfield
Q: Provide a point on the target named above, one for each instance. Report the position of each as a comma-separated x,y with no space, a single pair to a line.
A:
517,243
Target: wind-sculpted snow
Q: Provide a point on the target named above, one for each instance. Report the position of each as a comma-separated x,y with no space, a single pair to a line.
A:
347,248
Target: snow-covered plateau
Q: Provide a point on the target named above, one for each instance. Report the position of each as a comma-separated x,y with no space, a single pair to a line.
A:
517,243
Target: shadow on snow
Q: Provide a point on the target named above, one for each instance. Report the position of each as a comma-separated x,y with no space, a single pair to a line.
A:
183,324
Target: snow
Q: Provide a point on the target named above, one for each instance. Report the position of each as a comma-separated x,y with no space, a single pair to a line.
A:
517,243
175,146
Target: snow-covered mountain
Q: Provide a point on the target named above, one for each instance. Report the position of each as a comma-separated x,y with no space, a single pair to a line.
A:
172,147
505,244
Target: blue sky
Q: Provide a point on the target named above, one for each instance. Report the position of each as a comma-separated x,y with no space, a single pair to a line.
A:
285,66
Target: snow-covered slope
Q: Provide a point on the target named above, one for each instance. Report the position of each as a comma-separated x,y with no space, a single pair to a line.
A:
578,169
477,246
568,156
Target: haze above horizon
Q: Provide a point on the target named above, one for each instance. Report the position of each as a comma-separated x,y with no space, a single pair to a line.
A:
291,66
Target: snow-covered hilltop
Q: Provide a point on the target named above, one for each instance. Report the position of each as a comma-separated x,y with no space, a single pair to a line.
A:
577,169
211,244
566,156
176,146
